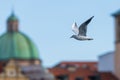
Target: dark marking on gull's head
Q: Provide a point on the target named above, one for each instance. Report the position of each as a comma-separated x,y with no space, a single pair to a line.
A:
73,36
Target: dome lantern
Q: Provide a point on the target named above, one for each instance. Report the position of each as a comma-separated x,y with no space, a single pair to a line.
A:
12,23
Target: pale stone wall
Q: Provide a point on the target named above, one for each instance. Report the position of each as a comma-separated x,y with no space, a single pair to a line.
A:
12,72
106,62
117,47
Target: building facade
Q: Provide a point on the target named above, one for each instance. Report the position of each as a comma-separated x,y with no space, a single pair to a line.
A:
110,62
80,71
117,43
12,72
18,53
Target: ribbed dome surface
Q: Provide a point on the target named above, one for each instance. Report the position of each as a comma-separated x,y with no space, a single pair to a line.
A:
18,46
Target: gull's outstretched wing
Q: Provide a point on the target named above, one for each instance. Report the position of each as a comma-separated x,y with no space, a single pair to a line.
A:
83,27
75,28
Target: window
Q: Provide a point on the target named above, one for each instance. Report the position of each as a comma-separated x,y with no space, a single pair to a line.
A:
96,77
78,78
11,73
63,65
85,66
71,68
42,79
62,77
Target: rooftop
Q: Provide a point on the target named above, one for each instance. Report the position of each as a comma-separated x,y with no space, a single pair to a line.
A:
116,13
80,70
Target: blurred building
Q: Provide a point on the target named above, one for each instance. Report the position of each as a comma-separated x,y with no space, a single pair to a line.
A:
117,44
12,72
110,62
80,71
19,57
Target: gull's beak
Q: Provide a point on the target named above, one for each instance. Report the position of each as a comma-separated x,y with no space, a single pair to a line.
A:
71,37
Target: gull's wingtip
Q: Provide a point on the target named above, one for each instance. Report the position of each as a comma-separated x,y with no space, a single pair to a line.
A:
92,17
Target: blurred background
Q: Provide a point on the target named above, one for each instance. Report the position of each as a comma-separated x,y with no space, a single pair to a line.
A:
48,25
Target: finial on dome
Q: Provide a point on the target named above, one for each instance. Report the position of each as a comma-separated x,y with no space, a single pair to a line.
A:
12,17
12,10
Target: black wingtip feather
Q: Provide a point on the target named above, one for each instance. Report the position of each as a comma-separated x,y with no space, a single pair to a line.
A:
91,18
88,21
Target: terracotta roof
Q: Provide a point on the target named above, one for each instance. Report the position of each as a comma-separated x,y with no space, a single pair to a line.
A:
92,65
108,53
78,69
72,74
107,76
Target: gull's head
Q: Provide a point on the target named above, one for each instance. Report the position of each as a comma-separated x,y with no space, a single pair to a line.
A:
72,36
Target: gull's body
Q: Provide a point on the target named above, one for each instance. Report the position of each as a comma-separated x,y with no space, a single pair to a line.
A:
82,38
81,31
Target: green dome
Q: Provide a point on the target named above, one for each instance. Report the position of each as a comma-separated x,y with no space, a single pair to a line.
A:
12,17
18,46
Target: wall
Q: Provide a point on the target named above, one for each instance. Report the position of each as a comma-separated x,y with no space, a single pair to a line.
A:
106,62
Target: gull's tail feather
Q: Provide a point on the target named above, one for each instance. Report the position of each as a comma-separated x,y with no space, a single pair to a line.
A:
90,39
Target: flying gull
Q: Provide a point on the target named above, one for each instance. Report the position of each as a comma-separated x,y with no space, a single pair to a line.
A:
81,31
